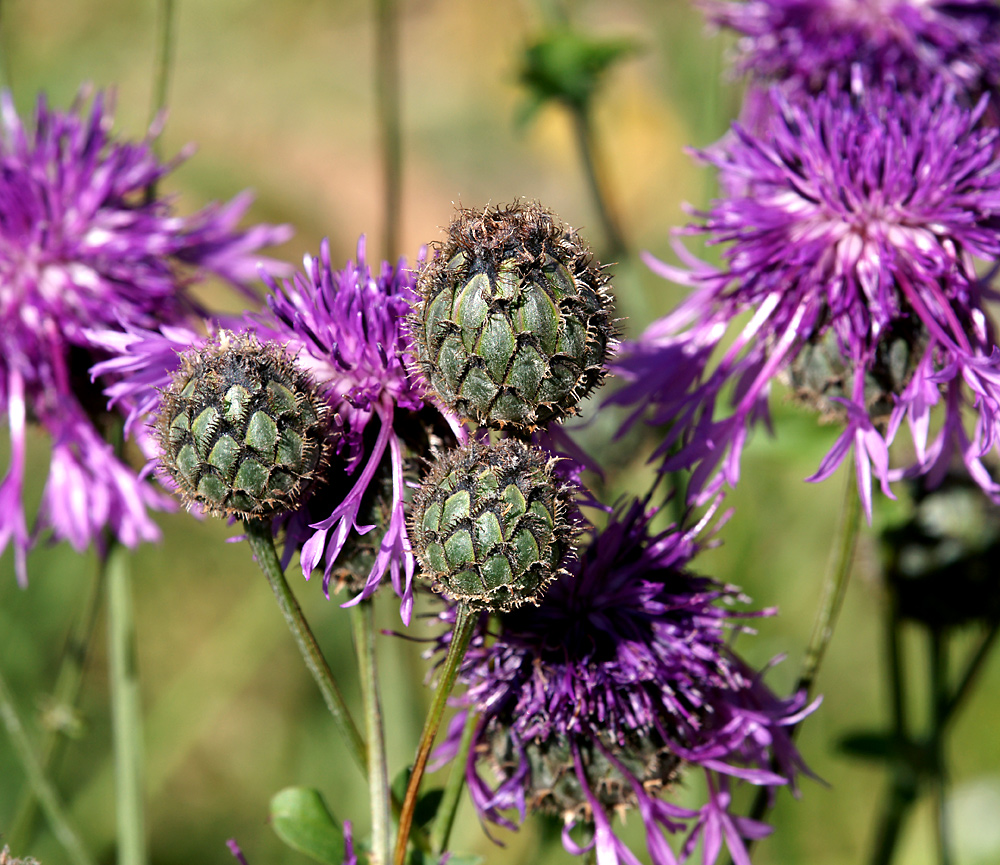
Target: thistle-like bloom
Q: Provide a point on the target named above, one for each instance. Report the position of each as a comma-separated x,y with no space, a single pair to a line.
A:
803,43
83,248
347,328
853,227
617,685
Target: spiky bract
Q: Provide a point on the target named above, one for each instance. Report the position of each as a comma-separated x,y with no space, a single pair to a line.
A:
490,524
241,429
514,322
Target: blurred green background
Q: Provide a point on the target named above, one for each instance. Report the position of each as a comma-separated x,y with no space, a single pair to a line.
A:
279,97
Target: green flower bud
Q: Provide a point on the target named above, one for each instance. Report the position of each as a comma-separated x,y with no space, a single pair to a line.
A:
241,429
490,524
514,323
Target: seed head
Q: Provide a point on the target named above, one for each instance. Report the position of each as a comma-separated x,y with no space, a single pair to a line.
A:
241,429
514,323
490,524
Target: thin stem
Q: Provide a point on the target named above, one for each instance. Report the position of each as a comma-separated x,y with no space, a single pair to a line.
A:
935,743
65,697
164,57
461,635
899,799
834,587
387,98
362,617
47,797
968,678
126,710
597,182
448,809
262,544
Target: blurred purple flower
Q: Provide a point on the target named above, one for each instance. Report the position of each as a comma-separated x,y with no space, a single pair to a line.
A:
617,685
82,248
803,44
853,228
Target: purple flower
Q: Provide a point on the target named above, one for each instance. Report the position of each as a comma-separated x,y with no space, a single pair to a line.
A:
853,228
348,329
802,44
82,249
615,687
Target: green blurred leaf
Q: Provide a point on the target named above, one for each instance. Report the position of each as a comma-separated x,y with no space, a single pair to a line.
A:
302,820
567,67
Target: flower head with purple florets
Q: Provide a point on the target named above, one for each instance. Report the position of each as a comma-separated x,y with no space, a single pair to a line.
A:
616,685
853,230
85,247
804,44
348,329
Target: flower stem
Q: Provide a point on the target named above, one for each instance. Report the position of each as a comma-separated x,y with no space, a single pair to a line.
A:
362,617
387,102
126,710
262,544
447,810
968,678
44,791
461,635
597,181
935,745
164,57
65,697
834,588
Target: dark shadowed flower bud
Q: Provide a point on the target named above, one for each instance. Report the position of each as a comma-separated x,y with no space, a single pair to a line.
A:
241,428
491,524
514,322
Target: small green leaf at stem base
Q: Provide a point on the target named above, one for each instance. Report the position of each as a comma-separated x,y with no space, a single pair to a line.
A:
301,819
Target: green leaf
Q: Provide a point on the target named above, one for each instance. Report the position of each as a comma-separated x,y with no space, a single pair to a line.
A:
427,807
301,819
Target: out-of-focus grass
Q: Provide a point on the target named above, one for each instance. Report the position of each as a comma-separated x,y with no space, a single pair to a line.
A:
279,98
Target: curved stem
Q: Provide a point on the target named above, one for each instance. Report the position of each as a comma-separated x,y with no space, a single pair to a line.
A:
362,617
65,697
44,791
465,625
834,590
126,710
262,543
834,587
445,819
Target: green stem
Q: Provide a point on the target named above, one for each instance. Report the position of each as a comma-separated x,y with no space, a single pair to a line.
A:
164,57
262,544
969,676
362,617
935,744
899,799
65,697
387,100
44,791
834,588
448,809
597,182
461,635
126,711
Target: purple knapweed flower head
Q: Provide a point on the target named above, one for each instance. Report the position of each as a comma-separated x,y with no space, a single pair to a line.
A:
347,328
853,230
84,247
804,44
617,685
